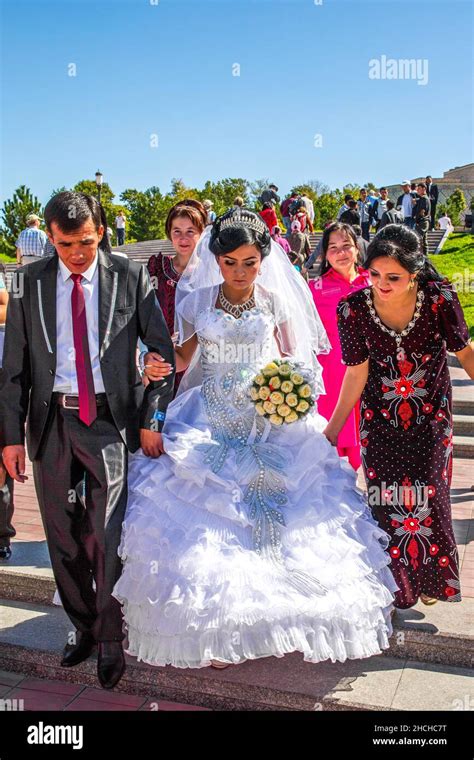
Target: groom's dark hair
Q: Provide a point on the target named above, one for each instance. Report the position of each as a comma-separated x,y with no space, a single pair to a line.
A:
69,210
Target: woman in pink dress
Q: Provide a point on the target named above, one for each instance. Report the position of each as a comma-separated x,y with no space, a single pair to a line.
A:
339,275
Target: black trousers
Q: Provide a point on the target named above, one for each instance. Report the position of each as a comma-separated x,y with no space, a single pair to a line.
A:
83,535
365,230
422,228
7,531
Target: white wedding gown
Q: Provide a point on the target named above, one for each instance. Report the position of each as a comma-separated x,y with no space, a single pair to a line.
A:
247,540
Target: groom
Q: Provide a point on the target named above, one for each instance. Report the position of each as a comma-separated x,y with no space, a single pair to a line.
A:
69,372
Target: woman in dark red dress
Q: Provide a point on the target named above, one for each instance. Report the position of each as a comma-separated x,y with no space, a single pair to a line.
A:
184,224
394,337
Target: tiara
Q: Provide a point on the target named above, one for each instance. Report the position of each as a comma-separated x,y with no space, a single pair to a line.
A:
243,219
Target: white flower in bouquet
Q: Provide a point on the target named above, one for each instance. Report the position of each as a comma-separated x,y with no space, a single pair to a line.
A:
269,407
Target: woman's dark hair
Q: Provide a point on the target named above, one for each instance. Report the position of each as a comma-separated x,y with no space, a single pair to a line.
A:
69,210
238,227
324,265
190,208
400,243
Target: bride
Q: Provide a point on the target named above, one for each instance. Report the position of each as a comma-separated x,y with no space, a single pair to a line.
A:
246,539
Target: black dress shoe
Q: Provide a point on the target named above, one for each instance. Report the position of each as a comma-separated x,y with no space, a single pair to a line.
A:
73,655
5,552
110,663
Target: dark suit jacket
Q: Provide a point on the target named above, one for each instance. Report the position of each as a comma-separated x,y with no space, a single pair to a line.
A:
128,309
432,193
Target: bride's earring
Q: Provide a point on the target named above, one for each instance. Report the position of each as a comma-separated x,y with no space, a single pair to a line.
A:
412,283
260,271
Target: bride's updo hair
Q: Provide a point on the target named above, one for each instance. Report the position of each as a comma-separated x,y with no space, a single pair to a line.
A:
238,227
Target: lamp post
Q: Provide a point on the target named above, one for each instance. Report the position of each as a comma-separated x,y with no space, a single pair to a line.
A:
98,182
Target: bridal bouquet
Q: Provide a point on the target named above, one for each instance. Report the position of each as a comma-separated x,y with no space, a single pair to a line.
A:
282,392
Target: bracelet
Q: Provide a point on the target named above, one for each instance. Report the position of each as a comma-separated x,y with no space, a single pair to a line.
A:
141,362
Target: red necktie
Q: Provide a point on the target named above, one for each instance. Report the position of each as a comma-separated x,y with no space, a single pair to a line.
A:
85,380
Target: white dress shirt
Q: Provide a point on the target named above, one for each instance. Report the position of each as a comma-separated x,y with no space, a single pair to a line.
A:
407,205
66,377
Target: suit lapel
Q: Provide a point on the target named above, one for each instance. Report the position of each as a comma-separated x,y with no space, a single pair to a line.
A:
46,294
108,284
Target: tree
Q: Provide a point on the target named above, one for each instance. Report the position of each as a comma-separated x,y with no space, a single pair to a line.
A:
147,213
456,204
326,207
224,193
256,188
14,213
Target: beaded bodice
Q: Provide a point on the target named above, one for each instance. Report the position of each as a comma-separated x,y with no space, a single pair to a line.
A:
232,351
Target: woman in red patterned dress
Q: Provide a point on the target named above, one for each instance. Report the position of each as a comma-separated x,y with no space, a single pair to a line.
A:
184,224
394,338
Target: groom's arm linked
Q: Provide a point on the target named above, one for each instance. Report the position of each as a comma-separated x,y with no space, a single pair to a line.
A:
154,333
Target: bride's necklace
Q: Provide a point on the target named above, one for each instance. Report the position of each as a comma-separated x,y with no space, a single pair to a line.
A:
236,309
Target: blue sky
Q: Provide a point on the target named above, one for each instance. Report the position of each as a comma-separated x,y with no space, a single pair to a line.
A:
166,69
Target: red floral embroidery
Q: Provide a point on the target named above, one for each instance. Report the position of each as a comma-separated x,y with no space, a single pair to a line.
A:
411,524
434,549
405,413
385,414
395,552
449,591
405,367
368,414
404,387
427,408
427,522
412,550
443,561
371,473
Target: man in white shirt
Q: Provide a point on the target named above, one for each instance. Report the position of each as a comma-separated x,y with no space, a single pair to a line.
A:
309,206
445,223
120,221
31,242
405,203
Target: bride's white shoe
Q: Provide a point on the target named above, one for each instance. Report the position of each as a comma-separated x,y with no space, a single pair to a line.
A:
219,665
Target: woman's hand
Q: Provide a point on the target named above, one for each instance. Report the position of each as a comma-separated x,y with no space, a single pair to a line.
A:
331,434
151,443
155,367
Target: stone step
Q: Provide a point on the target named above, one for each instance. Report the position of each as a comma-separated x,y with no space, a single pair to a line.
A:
463,446
463,424
463,406
32,638
433,634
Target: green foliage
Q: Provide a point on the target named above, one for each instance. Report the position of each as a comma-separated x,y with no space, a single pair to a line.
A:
456,262
14,213
146,213
455,205
106,198
224,193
